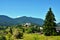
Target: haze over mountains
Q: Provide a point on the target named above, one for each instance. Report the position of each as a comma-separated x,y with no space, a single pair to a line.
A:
7,21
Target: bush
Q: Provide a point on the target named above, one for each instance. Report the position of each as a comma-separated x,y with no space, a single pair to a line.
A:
29,30
8,36
33,29
18,34
2,38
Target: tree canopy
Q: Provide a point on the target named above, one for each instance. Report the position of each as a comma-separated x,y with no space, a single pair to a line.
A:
49,24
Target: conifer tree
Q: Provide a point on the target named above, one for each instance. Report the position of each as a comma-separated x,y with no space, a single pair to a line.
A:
49,24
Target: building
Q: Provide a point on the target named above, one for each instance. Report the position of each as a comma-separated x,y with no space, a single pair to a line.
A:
27,24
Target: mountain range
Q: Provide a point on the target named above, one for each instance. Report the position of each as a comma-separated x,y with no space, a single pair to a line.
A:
7,21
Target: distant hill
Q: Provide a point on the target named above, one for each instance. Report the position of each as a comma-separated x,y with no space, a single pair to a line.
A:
7,21
58,24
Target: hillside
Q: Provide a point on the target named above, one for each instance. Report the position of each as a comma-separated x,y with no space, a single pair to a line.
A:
7,21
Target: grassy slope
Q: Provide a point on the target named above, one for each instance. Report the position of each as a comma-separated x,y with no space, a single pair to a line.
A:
39,37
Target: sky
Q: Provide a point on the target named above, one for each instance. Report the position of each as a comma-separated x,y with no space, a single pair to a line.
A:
29,8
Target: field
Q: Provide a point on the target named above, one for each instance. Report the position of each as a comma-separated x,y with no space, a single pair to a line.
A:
36,36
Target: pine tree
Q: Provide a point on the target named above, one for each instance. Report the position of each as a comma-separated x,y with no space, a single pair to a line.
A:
49,25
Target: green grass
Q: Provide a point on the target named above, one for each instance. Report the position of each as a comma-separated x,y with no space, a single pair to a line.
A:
37,36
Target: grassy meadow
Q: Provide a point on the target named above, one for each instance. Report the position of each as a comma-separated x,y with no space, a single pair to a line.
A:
36,36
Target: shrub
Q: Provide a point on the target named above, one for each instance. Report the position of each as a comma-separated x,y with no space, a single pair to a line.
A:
17,34
2,38
8,36
29,30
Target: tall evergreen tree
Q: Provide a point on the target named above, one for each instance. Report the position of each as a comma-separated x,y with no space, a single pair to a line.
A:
49,25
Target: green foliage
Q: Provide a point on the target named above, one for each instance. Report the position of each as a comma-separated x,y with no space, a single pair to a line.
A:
33,29
38,29
29,30
8,36
49,25
2,38
9,30
17,33
19,26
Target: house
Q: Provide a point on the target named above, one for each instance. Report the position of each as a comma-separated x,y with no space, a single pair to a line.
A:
41,28
27,24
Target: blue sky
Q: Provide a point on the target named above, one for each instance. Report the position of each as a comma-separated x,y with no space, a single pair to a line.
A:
30,8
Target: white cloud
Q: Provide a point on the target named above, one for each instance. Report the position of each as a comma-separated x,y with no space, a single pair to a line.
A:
18,16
